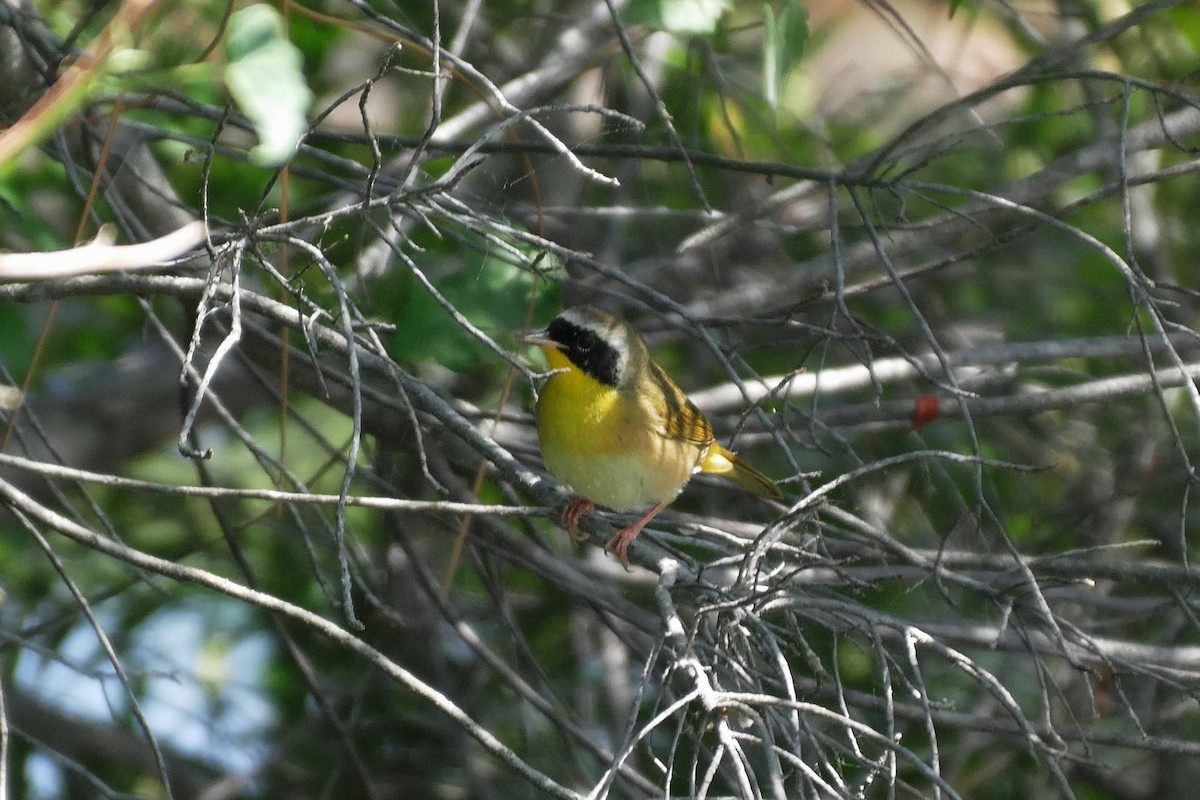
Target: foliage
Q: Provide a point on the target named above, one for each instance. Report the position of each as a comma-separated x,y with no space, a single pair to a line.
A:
274,521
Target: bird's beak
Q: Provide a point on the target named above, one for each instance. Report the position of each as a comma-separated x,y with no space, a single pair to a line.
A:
540,339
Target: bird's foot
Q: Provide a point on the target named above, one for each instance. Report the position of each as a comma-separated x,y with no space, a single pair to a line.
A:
618,545
572,511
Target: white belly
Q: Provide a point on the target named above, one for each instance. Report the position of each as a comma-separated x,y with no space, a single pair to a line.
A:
617,480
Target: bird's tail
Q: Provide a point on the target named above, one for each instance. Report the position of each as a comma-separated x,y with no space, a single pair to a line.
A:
719,461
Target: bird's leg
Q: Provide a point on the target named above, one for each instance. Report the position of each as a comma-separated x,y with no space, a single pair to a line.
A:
575,508
618,545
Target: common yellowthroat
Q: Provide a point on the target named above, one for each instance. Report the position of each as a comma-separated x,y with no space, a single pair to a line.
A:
617,430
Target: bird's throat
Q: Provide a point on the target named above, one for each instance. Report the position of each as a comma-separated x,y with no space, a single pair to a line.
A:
575,407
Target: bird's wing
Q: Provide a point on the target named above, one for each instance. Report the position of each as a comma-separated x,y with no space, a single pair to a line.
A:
682,421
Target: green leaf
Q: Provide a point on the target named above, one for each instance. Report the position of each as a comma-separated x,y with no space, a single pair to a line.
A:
682,17
490,291
16,344
771,76
264,77
783,42
1186,22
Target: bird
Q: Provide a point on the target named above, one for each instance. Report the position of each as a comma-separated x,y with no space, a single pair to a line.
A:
617,430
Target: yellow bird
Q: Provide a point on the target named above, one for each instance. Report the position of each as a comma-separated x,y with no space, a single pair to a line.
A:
617,430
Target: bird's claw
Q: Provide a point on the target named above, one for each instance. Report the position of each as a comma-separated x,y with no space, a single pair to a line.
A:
618,545
572,512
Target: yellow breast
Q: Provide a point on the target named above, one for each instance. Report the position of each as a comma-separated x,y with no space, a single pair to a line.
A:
601,444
